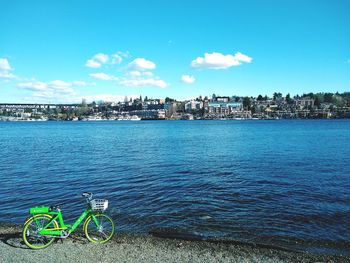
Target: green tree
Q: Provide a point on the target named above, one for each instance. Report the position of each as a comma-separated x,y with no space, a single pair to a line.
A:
277,96
288,99
328,97
57,111
310,95
338,101
317,102
246,103
346,98
167,99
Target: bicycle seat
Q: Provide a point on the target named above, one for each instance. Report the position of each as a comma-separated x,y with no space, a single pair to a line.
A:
55,207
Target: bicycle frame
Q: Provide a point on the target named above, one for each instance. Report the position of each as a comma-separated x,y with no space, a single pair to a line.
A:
57,216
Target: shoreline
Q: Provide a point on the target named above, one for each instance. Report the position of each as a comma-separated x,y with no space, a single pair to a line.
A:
203,119
149,248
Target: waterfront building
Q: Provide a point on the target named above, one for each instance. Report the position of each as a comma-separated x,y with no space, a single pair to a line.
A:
167,106
222,99
193,105
305,102
161,114
154,104
149,114
224,108
321,105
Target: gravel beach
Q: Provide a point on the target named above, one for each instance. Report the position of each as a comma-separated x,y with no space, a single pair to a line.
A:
132,248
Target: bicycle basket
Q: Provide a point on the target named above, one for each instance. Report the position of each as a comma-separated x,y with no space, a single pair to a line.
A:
99,205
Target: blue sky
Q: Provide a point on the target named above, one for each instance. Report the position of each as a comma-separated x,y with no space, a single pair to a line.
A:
69,50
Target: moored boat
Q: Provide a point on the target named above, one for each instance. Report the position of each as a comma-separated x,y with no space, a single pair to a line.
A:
135,118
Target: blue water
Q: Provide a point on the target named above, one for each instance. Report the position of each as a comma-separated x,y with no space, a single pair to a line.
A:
285,183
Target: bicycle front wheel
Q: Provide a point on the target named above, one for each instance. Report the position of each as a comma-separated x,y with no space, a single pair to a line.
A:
99,228
32,226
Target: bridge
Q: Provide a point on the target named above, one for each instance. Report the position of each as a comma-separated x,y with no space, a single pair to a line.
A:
15,106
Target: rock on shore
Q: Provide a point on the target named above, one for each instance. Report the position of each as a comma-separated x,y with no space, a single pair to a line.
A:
131,248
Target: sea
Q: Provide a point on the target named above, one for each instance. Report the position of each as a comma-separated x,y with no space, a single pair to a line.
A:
283,183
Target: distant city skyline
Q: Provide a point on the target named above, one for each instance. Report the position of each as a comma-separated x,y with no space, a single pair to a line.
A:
62,52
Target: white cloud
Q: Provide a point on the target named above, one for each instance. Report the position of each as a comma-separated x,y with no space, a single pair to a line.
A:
53,91
52,85
141,64
93,64
4,64
5,68
242,58
35,85
217,60
7,75
147,73
59,83
103,76
136,73
188,79
48,89
138,76
79,83
104,97
60,86
97,60
116,59
44,94
144,82
100,57
125,54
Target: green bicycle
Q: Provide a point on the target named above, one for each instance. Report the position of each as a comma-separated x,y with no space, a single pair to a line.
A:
46,224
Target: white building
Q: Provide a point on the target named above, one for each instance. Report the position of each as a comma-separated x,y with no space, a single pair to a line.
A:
193,105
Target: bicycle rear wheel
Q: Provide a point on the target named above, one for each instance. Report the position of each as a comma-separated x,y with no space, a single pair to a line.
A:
31,236
100,232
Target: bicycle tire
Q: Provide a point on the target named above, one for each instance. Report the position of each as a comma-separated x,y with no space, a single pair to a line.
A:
102,233
30,236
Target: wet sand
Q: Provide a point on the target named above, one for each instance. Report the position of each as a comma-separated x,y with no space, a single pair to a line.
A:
138,248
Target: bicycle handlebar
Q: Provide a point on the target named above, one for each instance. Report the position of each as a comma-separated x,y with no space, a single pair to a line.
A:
87,195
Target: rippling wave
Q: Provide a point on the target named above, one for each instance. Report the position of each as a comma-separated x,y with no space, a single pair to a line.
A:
283,183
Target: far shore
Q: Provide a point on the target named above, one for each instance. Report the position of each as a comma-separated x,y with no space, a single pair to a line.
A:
147,248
